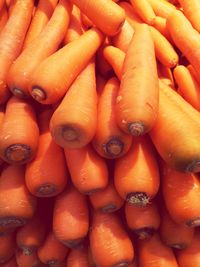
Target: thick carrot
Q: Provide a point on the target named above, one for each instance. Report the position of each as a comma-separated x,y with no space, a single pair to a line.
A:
162,8
3,17
2,2
10,263
109,242
28,260
11,40
109,140
46,175
17,205
105,14
42,14
139,72
7,247
52,251
19,75
88,170
136,175
73,123
143,221
152,252
174,235
78,257
19,132
63,67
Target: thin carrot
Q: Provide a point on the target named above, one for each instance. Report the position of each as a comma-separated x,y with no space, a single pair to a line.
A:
63,67
105,14
19,132
139,72
3,17
162,8
70,217
7,247
73,126
17,205
161,25
78,257
143,221
131,14
109,242
11,40
46,175
86,22
31,260
100,83
42,14
88,170
10,263
19,75
136,175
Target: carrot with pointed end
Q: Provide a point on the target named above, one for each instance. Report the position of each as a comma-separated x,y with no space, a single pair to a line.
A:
162,8
110,244
88,170
136,175
161,25
143,221
17,205
11,263
19,133
27,260
78,257
19,75
7,247
139,72
71,217
3,17
73,126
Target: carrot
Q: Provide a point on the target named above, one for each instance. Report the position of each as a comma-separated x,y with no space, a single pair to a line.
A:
152,252
2,3
187,40
73,126
19,75
131,15
165,74
78,257
11,40
174,235
3,17
105,14
70,217
109,242
143,221
46,175
17,205
190,256
161,25
7,247
162,8
27,260
42,14
86,22
63,67
19,132
144,10
136,175
88,170
139,72
10,263
52,251
100,83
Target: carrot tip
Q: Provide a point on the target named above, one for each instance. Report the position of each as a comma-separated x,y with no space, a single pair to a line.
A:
38,94
193,222
121,264
114,147
108,208
136,128
73,243
12,222
69,133
138,199
194,166
46,190
19,93
18,153
144,233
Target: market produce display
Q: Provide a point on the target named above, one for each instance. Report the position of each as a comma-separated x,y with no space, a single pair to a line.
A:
100,133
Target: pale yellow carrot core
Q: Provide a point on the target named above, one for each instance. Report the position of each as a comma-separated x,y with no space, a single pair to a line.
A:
72,243
114,147
108,208
136,128
38,94
69,134
19,93
18,153
138,199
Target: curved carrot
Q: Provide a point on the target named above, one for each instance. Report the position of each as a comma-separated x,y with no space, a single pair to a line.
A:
105,14
109,242
73,123
162,8
7,247
27,260
3,17
19,75
63,67
10,263
138,65
88,170
17,205
78,257
70,217
46,175
19,132
11,40
136,175
144,221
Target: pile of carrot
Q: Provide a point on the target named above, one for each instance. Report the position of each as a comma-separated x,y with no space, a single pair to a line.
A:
99,133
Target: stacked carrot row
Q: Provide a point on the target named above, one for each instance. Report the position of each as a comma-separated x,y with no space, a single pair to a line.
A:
99,133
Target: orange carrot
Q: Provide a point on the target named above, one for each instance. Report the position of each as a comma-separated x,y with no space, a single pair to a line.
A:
7,247
19,75
86,22
152,252
139,72
100,83
17,205
2,2
3,17
165,74
162,8
19,132
105,14
109,242
11,40
161,25
11,263
136,175
144,221
28,260
88,170
63,67
78,257
46,175
73,126
70,217
42,14
131,15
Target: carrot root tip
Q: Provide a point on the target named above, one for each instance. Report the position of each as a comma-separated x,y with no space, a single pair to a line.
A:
109,208
18,93
121,264
73,243
18,153
69,133
12,222
136,128
138,198
46,190
38,93
193,222
113,147
193,166
144,233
